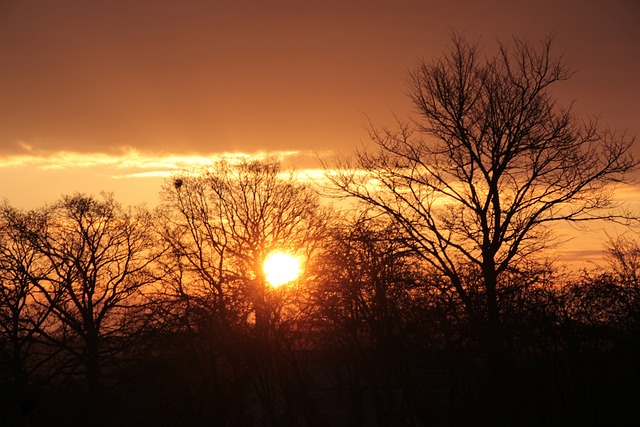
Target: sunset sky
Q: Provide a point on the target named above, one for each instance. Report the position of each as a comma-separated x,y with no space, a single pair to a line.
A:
112,95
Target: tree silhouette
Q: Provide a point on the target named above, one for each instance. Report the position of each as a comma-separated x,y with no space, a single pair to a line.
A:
219,226
367,294
96,258
489,164
24,354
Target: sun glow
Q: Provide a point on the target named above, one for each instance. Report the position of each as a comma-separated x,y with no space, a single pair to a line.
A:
281,267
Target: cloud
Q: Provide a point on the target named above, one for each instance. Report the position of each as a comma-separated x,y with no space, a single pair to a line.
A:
35,177
129,164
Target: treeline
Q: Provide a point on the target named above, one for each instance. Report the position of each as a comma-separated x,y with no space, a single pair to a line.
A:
427,303
114,316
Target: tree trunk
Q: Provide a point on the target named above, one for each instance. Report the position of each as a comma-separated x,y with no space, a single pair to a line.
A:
93,365
501,385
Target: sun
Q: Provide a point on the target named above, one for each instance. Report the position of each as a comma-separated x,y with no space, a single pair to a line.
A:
281,267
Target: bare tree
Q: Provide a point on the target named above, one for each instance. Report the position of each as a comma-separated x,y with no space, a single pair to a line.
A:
367,290
219,225
97,257
623,254
490,163
23,354
224,222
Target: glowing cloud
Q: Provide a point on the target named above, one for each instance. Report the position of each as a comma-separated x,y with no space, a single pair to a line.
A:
129,164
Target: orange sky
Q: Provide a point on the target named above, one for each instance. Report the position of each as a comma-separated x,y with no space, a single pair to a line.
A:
107,95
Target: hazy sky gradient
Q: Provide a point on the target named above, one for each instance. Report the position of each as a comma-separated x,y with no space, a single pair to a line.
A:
95,94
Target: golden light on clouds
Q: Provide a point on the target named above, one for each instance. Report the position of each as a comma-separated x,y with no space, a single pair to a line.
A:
32,178
129,164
